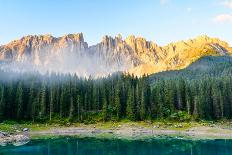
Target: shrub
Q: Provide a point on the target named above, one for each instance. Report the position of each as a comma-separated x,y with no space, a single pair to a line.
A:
181,116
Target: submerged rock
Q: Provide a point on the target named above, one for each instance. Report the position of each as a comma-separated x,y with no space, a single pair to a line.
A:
19,140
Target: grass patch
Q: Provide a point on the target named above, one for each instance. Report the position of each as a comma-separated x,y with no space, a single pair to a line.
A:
12,127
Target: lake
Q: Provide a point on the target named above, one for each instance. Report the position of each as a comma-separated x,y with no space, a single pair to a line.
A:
88,146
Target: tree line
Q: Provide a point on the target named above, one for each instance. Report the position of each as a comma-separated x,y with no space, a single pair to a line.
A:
55,97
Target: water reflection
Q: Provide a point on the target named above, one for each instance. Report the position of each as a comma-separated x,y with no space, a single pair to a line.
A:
88,146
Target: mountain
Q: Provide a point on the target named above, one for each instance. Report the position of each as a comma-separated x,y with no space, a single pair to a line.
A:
70,53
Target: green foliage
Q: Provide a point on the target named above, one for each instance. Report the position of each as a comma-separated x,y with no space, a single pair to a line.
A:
210,66
180,116
57,97
67,98
19,101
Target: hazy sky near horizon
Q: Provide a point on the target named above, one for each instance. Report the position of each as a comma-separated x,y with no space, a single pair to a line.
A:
161,21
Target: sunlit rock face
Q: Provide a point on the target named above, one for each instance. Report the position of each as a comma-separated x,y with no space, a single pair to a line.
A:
135,55
179,55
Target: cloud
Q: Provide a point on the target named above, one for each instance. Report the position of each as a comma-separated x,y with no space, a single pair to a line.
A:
223,18
227,3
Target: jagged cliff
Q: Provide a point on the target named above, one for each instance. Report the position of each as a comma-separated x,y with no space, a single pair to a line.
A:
136,55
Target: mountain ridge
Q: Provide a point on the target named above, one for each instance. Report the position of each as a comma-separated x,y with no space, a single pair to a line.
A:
133,54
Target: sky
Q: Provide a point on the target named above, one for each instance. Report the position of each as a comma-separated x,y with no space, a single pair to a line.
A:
161,21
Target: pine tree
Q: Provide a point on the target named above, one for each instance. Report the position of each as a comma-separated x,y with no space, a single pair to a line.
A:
95,98
2,103
35,107
227,99
117,102
31,106
71,111
19,101
143,107
62,102
42,113
79,107
51,101
182,88
189,106
147,97
130,105
137,102
104,108
216,96
10,105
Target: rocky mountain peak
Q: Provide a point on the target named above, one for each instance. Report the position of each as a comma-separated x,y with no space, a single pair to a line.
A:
134,54
74,37
108,42
131,40
119,37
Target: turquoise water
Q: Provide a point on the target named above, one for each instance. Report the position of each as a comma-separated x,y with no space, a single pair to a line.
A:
88,146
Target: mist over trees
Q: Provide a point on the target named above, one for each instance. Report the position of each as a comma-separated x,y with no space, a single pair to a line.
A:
41,98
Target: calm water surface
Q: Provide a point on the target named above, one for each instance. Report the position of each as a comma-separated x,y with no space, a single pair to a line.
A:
92,146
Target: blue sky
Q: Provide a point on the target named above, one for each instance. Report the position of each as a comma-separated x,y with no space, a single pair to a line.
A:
161,21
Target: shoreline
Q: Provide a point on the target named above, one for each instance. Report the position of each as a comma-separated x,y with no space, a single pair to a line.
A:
137,133
132,130
118,130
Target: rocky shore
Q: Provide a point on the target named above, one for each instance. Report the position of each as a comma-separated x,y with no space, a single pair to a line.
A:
17,139
125,131
22,135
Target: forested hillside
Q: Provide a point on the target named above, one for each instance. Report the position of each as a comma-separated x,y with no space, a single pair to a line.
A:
210,66
202,91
